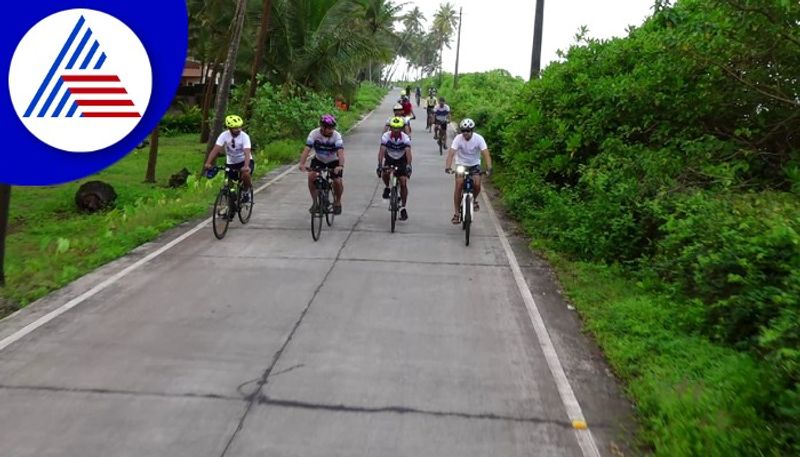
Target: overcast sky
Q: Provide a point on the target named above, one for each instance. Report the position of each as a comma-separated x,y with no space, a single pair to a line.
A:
499,33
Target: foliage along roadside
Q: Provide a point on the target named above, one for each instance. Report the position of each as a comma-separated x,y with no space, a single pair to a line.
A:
665,165
49,244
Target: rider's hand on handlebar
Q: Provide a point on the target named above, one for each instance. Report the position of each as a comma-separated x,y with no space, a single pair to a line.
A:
379,171
303,167
448,170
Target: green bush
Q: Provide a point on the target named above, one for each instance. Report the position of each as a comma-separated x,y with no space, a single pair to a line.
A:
675,152
188,121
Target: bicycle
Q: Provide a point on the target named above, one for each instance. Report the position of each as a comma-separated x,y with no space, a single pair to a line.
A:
323,203
429,121
394,194
441,136
467,199
231,200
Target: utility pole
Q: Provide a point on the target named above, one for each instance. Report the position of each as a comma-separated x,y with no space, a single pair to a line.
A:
536,57
458,49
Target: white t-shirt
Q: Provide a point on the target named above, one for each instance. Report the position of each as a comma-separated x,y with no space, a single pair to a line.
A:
234,146
325,147
441,112
468,153
396,147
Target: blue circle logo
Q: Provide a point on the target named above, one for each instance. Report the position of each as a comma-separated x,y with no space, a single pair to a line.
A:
85,85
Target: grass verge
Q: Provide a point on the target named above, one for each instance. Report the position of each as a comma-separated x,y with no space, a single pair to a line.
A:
693,397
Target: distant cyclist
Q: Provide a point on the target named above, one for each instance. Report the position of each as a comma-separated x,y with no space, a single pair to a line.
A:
238,155
468,148
418,94
441,114
430,104
328,153
395,150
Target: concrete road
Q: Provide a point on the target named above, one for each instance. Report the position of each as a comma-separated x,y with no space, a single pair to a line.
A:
267,343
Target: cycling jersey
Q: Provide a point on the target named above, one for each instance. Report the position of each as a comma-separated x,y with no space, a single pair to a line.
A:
234,146
441,112
396,146
325,148
468,153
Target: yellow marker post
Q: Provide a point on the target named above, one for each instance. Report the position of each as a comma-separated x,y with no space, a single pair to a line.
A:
579,424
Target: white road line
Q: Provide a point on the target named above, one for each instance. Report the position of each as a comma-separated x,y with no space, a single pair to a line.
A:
582,433
19,334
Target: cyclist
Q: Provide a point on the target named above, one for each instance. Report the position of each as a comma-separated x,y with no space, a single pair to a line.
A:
408,110
468,148
418,94
238,155
328,153
398,112
395,150
441,113
430,104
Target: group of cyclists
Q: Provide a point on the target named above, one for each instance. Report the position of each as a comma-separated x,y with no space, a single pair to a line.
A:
467,149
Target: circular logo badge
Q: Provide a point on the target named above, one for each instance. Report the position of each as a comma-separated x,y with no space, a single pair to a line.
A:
94,83
86,84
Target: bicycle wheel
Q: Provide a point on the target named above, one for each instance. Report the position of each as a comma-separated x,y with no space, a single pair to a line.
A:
219,219
467,217
316,218
394,205
245,208
329,215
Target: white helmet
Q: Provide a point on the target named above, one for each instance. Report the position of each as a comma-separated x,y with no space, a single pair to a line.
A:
467,124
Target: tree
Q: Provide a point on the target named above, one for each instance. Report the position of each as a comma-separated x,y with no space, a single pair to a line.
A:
227,73
150,175
261,43
444,25
5,200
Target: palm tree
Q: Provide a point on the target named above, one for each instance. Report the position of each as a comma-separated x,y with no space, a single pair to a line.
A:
221,101
325,44
445,21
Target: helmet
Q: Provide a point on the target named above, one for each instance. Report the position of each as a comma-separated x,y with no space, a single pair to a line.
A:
327,120
233,122
467,124
397,107
397,122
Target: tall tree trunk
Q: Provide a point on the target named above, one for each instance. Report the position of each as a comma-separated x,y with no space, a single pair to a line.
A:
205,129
260,45
150,176
5,201
221,101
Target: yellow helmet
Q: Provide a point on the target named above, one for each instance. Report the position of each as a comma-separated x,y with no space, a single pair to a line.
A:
233,122
397,123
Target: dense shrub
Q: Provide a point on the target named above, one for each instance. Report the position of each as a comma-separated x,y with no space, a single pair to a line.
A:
675,152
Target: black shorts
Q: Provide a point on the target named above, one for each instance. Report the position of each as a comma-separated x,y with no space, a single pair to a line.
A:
473,170
318,164
233,172
399,163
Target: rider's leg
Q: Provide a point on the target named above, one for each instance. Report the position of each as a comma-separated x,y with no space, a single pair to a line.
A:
338,189
312,189
386,178
404,189
457,194
476,181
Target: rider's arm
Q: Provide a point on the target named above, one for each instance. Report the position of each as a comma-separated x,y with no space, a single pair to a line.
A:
487,158
247,157
381,155
449,163
408,154
304,157
212,155
340,156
